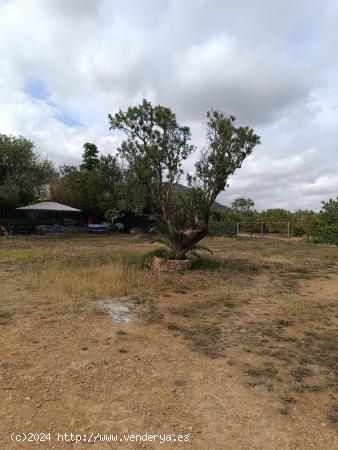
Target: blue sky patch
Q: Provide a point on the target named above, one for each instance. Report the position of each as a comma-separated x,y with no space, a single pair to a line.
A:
36,88
67,120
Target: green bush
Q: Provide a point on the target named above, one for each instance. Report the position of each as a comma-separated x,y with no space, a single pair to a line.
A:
224,228
324,235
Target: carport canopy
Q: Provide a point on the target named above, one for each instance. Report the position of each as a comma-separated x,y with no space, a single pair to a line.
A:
49,206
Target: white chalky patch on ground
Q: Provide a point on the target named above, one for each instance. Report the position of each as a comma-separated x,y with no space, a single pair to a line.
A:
120,309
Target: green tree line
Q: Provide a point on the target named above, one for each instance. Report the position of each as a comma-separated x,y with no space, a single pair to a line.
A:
143,177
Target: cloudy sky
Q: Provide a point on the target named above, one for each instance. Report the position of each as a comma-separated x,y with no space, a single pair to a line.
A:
65,64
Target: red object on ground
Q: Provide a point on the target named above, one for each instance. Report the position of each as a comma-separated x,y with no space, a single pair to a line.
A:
90,219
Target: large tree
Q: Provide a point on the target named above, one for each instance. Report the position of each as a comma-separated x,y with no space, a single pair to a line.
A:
92,187
243,206
90,159
155,149
329,211
23,173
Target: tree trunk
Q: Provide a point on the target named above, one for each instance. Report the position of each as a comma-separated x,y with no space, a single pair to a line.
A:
180,254
187,240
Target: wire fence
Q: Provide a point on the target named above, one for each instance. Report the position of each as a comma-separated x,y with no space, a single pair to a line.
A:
263,228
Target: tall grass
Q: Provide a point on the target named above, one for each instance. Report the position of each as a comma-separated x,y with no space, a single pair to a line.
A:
297,308
81,283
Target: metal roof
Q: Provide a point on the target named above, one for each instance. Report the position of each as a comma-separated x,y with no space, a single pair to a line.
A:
49,206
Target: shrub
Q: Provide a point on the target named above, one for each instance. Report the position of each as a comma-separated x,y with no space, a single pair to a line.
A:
324,234
225,228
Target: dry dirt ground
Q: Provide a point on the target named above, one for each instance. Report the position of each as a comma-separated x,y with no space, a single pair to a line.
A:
239,353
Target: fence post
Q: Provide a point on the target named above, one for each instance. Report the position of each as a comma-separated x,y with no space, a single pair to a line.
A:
288,230
262,229
237,228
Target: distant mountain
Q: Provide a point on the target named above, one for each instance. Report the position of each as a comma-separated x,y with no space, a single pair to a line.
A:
216,206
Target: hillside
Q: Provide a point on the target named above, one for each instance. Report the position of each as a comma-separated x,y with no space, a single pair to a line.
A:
183,189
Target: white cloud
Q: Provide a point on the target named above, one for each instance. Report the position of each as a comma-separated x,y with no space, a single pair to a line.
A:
271,64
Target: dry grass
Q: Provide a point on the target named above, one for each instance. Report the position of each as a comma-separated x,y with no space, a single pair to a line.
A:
14,255
297,308
80,284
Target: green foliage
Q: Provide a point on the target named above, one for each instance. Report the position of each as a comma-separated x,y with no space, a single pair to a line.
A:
243,206
277,215
227,148
302,222
325,234
92,190
225,227
23,173
205,263
90,160
329,211
324,226
171,240
154,150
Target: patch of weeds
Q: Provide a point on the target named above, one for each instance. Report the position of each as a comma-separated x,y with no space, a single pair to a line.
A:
285,322
268,371
50,321
5,317
123,350
288,399
205,263
107,341
298,388
310,333
287,339
300,373
149,312
269,332
280,354
206,339
285,410
305,360
228,303
181,289
141,299
184,311
180,383
257,381
324,350
333,414
175,327
121,333
315,387
261,375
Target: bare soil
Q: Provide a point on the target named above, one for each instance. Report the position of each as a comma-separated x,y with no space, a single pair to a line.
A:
241,352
